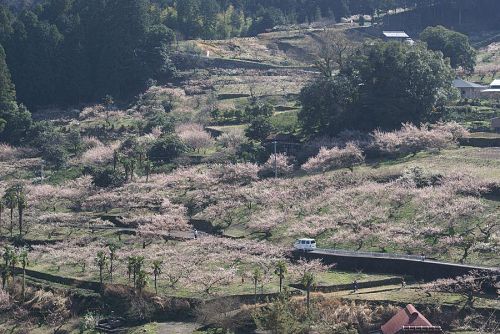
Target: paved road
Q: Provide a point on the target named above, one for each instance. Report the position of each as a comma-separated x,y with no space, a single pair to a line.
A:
389,256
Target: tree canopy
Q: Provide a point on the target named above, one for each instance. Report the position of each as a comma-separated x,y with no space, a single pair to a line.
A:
71,51
385,85
14,120
452,44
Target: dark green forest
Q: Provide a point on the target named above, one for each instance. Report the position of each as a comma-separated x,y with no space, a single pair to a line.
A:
66,52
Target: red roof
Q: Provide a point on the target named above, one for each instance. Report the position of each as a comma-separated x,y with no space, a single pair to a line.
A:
409,318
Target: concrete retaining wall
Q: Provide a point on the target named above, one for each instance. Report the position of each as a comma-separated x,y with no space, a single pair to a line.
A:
190,61
427,270
480,142
341,287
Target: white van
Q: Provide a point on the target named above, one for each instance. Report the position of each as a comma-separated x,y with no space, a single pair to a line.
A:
305,244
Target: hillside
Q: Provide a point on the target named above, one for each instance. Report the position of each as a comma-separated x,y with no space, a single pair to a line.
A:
178,208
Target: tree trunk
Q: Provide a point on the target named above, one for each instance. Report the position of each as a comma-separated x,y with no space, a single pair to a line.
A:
11,221
281,282
156,287
21,211
111,270
255,292
308,299
23,291
100,274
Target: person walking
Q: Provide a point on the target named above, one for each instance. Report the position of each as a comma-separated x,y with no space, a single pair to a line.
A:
195,233
355,285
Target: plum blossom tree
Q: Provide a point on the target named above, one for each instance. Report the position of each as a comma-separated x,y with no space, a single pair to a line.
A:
411,139
280,163
239,173
267,221
194,136
232,139
468,285
335,158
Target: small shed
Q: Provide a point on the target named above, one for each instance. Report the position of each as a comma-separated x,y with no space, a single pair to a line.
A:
410,321
468,90
495,124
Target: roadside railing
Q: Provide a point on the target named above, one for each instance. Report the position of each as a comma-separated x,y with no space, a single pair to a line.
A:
371,254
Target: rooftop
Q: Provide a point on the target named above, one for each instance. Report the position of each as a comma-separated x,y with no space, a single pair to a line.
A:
495,83
409,318
459,83
395,34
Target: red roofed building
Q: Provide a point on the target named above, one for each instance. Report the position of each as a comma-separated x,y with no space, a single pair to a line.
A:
409,321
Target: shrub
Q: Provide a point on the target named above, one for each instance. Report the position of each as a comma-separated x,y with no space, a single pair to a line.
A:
55,155
5,300
105,178
8,152
167,148
259,129
89,142
89,321
335,158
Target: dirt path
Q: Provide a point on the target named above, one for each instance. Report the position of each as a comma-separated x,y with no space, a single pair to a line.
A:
176,328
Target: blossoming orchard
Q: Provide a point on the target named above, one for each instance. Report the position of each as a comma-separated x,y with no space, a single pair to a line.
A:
237,166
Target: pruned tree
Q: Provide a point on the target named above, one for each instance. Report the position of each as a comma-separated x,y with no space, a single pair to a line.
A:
256,277
10,201
23,257
280,271
157,269
101,260
112,257
308,280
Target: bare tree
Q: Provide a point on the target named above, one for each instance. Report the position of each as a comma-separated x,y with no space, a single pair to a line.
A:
332,50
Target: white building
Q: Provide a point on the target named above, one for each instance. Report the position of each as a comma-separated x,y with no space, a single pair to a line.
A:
493,91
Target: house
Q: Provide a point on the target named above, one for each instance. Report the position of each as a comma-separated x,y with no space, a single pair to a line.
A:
399,36
495,124
468,90
493,91
409,321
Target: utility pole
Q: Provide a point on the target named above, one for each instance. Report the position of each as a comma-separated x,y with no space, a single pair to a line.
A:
275,160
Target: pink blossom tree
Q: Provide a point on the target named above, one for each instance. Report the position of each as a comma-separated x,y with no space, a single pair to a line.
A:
335,158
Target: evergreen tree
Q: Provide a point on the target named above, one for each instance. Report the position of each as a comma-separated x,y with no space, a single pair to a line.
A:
14,120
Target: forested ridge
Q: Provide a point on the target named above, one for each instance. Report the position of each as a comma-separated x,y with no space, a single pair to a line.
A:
63,52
